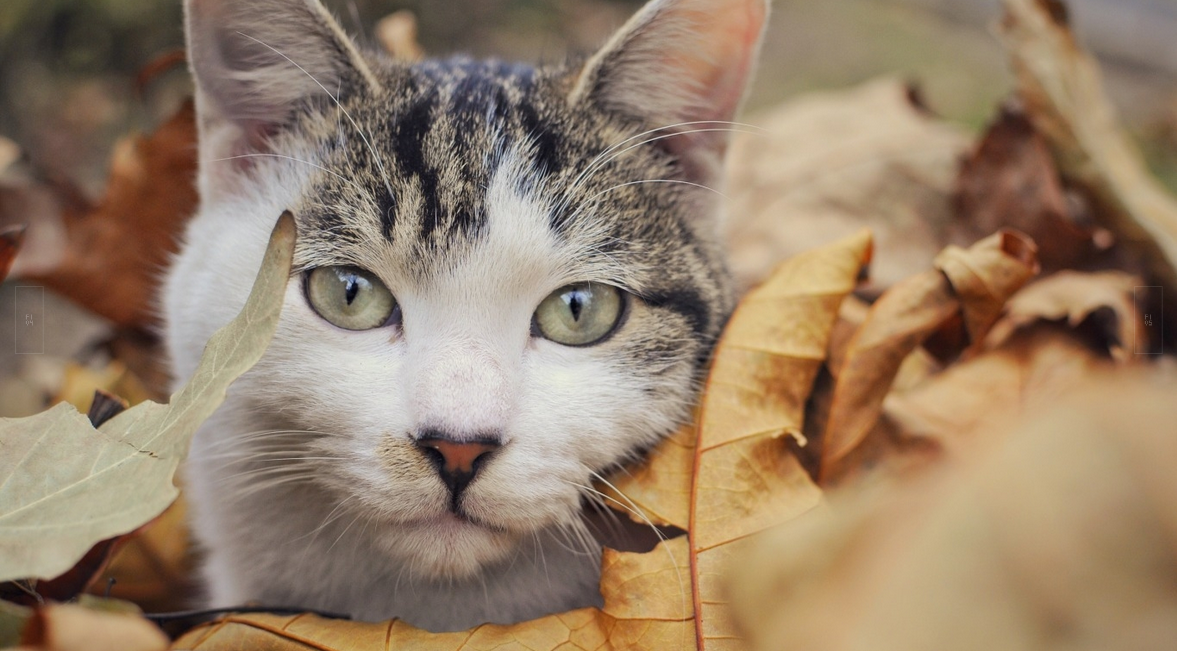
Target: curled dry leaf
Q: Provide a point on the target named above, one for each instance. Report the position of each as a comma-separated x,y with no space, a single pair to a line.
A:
745,480
1061,537
68,627
829,164
972,284
65,485
1109,298
1060,86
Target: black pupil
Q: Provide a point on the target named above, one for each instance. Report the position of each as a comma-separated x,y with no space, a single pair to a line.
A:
576,300
353,287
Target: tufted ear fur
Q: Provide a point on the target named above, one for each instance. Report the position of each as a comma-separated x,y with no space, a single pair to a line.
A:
254,62
679,61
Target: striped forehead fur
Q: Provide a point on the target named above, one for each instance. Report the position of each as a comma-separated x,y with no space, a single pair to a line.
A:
406,170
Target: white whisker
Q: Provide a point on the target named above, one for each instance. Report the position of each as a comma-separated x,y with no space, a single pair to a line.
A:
368,143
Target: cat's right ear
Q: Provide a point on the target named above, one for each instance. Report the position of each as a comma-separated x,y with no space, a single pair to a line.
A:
254,61
682,67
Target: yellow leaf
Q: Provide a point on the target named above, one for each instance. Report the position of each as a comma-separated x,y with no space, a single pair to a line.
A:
1072,297
746,479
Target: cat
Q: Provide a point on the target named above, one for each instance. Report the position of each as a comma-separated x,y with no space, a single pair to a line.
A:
508,280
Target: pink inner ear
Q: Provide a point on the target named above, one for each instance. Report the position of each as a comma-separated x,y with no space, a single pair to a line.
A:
736,45
709,68
721,63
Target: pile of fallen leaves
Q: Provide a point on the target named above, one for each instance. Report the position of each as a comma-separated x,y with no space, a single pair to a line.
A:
972,450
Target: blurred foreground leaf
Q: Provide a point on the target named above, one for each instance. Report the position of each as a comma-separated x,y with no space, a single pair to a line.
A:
1060,537
70,627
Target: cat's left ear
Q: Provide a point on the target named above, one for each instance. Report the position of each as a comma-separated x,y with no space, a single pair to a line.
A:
682,65
255,62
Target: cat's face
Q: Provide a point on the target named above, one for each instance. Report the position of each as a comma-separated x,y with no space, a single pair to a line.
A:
506,282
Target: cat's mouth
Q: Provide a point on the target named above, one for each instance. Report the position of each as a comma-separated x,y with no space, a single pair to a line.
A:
456,521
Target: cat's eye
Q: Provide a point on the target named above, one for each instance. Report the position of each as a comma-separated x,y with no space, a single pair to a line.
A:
580,314
350,297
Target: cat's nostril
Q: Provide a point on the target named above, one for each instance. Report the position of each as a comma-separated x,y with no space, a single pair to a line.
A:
457,461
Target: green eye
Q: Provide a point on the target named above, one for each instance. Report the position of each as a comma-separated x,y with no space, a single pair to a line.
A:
349,297
580,314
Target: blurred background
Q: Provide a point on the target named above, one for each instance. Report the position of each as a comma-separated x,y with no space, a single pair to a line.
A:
68,68
71,75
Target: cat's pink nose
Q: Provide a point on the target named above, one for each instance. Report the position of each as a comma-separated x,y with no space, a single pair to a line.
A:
457,461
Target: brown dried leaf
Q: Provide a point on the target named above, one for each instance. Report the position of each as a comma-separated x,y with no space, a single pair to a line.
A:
1009,180
1071,297
972,284
993,391
110,257
10,239
658,490
1063,537
67,627
152,566
829,164
1061,87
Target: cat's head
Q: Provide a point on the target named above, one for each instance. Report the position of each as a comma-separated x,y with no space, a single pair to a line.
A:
508,278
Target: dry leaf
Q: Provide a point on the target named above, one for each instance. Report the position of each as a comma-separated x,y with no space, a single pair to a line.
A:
1062,538
1009,180
658,490
9,244
829,164
746,479
80,383
1108,298
109,256
65,485
993,392
67,627
153,566
972,284
1063,94
647,607
397,33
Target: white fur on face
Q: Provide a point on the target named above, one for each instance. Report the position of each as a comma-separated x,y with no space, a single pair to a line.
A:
465,362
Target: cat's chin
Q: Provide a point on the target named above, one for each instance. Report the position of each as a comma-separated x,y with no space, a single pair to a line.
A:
448,547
